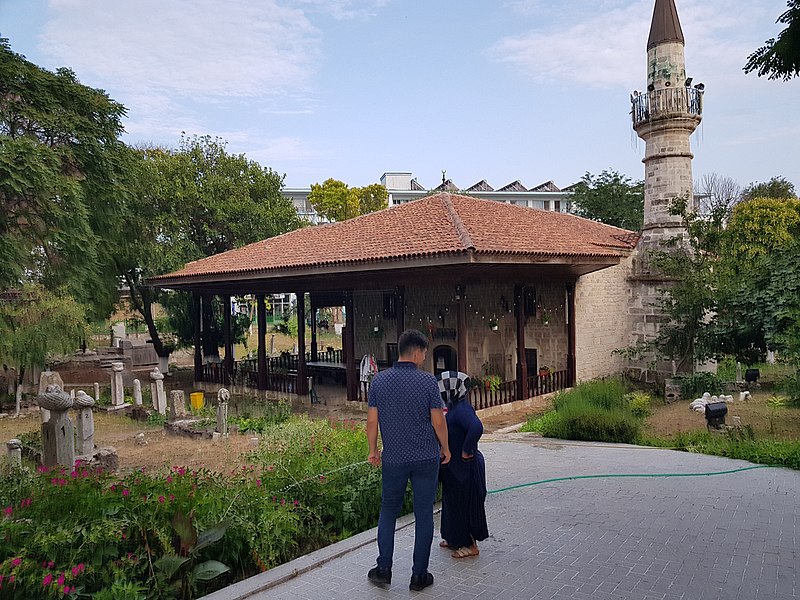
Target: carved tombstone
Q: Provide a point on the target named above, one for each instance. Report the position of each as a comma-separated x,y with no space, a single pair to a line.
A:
177,405
117,387
85,425
58,436
223,396
14,448
137,392
157,391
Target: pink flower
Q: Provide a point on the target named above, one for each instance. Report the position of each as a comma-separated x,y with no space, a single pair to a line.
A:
169,478
67,589
16,562
113,488
161,499
283,501
296,503
74,474
271,468
47,579
126,492
181,471
51,564
258,482
12,579
171,497
8,511
61,579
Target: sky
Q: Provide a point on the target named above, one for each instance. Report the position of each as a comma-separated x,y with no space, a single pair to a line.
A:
502,90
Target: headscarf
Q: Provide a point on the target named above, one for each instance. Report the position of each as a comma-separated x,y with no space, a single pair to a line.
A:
453,386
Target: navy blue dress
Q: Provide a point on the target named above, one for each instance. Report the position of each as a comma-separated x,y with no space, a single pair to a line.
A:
464,481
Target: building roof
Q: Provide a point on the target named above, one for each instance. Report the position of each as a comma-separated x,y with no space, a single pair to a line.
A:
481,186
435,226
547,186
665,26
514,186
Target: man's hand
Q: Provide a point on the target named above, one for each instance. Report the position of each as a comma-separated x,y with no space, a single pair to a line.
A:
374,458
445,455
465,456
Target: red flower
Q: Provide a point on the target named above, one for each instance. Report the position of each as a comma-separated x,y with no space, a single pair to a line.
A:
47,579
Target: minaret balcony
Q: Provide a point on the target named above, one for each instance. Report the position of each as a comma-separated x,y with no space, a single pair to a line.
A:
666,103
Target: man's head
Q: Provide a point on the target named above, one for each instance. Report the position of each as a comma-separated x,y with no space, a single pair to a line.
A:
412,346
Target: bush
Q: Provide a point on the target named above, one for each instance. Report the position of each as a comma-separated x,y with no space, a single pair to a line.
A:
638,403
790,386
694,386
604,393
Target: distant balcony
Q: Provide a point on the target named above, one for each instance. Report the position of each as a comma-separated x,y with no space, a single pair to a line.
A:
666,102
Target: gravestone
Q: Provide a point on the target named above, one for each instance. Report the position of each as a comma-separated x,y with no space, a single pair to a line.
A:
157,391
14,448
45,379
739,372
58,434
137,392
117,388
177,405
96,392
85,425
223,396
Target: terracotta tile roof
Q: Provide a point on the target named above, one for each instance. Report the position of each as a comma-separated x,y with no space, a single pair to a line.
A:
441,224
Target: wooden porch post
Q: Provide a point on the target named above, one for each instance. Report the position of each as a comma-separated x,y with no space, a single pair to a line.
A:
302,382
314,346
350,347
227,367
522,359
261,319
461,326
198,335
400,309
572,363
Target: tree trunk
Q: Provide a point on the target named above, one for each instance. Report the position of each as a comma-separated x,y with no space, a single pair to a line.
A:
142,301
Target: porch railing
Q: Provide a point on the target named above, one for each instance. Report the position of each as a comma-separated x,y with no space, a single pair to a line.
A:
485,397
545,384
245,373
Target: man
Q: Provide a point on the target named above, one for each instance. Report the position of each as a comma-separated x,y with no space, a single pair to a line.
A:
405,402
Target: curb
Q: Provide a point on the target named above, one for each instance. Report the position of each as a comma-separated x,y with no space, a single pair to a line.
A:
283,573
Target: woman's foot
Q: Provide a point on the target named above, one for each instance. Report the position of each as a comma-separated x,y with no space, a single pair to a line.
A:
444,544
466,551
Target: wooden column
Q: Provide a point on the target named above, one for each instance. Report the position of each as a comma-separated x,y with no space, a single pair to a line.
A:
197,300
227,366
314,346
350,347
572,363
400,309
261,319
522,360
302,382
461,327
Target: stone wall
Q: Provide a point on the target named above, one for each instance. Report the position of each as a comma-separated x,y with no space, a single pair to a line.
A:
602,320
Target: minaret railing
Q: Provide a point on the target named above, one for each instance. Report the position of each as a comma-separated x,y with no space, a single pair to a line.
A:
666,102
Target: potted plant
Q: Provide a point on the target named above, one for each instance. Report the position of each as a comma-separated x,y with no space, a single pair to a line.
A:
493,324
546,318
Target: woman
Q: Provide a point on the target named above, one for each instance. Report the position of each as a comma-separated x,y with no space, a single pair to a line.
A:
464,478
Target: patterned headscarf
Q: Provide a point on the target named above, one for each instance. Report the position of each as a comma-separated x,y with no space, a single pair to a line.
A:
453,386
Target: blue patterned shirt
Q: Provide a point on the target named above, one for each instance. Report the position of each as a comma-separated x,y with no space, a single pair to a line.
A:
404,396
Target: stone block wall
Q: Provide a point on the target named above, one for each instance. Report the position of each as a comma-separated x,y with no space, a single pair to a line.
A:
602,321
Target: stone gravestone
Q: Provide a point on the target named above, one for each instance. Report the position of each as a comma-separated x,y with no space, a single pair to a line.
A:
223,396
14,448
117,388
177,405
45,379
137,392
739,372
96,392
58,435
85,425
157,391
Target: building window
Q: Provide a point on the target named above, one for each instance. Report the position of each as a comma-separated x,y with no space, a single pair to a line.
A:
529,302
557,204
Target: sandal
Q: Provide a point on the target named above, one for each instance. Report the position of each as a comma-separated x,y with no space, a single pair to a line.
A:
466,552
445,544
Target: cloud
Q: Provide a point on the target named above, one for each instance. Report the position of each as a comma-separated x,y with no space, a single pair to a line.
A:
344,10
190,48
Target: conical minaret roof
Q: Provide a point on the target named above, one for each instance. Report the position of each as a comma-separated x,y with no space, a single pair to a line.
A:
666,27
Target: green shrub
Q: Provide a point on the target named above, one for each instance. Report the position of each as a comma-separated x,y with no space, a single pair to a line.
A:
790,385
694,386
605,393
638,403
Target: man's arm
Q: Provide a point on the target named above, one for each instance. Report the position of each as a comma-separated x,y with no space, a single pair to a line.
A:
440,427
372,437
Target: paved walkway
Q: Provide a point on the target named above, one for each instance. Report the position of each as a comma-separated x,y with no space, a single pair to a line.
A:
731,536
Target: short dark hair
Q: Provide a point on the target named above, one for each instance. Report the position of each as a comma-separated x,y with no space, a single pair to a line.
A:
411,339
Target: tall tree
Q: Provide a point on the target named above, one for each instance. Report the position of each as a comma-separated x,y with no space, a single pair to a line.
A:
777,187
716,192
334,200
60,158
611,198
780,59
190,203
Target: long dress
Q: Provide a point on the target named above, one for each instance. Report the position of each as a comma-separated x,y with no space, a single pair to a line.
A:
464,481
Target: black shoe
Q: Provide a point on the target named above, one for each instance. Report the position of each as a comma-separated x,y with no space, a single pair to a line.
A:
380,576
420,582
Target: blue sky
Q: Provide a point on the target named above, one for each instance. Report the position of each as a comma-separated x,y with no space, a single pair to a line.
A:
500,90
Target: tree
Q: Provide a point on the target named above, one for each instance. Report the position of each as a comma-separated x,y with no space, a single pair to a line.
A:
59,163
777,187
610,198
187,204
335,201
780,59
717,193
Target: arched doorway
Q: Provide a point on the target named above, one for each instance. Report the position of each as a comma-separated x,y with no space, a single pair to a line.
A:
445,358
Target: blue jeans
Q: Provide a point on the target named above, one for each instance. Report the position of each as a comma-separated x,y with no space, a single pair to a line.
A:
424,481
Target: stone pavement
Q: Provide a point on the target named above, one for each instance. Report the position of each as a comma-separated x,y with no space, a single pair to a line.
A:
730,536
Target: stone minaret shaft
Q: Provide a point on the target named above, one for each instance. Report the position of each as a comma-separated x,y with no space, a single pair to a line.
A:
664,117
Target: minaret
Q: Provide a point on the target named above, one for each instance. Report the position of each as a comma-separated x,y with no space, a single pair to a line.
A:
664,116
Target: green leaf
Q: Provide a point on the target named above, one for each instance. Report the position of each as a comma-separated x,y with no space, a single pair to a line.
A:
210,536
185,529
170,564
208,570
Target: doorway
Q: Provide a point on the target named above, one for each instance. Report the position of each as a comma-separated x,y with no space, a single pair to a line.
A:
445,358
